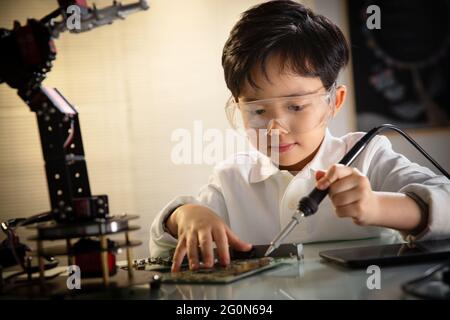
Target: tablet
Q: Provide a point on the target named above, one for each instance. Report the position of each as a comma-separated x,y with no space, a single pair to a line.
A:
389,254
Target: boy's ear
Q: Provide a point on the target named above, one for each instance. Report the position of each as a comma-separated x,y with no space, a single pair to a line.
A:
341,93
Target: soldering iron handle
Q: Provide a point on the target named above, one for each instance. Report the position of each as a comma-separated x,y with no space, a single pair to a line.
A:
308,205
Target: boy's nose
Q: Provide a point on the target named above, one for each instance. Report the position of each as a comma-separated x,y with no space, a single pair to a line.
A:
276,127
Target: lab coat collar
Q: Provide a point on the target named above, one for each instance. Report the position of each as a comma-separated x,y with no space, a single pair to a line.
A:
331,151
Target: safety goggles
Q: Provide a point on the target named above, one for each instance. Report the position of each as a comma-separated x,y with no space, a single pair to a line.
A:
296,114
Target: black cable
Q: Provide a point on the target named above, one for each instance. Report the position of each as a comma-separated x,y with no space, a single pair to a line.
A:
11,279
40,217
50,16
19,222
71,134
409,287
12,246
12,239
416,145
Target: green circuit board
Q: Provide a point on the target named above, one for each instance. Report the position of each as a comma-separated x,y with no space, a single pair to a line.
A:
243,264
236,270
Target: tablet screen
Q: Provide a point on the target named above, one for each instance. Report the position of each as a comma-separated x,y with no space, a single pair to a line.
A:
389,254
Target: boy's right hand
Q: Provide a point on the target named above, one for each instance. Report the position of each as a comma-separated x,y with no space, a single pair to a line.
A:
197,226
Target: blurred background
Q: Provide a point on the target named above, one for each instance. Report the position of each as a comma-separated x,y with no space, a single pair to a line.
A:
135,82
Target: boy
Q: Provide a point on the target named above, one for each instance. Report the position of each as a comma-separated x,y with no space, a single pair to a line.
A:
281,63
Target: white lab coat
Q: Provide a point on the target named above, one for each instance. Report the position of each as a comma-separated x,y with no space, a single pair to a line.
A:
256,199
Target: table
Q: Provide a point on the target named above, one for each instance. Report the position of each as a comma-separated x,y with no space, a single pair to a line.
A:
311,278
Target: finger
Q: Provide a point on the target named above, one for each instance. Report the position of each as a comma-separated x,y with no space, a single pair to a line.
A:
180,253
344,184
192,251
344,198
319,174
350,210
237,243
206,246
220,237
337,171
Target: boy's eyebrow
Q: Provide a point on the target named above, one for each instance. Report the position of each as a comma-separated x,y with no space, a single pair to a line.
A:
295,94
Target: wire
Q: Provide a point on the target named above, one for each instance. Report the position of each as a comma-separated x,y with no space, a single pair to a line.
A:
40,217
19,222
7,228
14,275
409,287
415,144
11,279
12,245
51,15
71,134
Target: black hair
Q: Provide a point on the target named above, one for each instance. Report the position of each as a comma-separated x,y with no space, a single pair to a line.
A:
309,44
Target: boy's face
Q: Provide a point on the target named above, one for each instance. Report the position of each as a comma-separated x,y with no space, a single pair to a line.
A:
295,147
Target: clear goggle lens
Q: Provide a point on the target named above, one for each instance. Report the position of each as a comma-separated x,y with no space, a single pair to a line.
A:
298,114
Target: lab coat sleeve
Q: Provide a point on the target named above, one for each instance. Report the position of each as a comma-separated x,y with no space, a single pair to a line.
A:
161,242
392,172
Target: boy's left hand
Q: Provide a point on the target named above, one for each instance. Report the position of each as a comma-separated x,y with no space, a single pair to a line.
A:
350,192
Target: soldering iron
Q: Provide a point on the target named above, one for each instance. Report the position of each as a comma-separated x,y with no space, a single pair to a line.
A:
309,205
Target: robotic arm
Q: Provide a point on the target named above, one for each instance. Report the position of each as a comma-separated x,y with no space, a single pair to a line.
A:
26,55
78,17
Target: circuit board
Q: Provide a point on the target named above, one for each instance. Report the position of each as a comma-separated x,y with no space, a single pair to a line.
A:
236,270
242,265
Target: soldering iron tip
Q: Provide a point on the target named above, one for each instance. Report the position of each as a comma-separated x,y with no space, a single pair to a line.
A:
269,251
